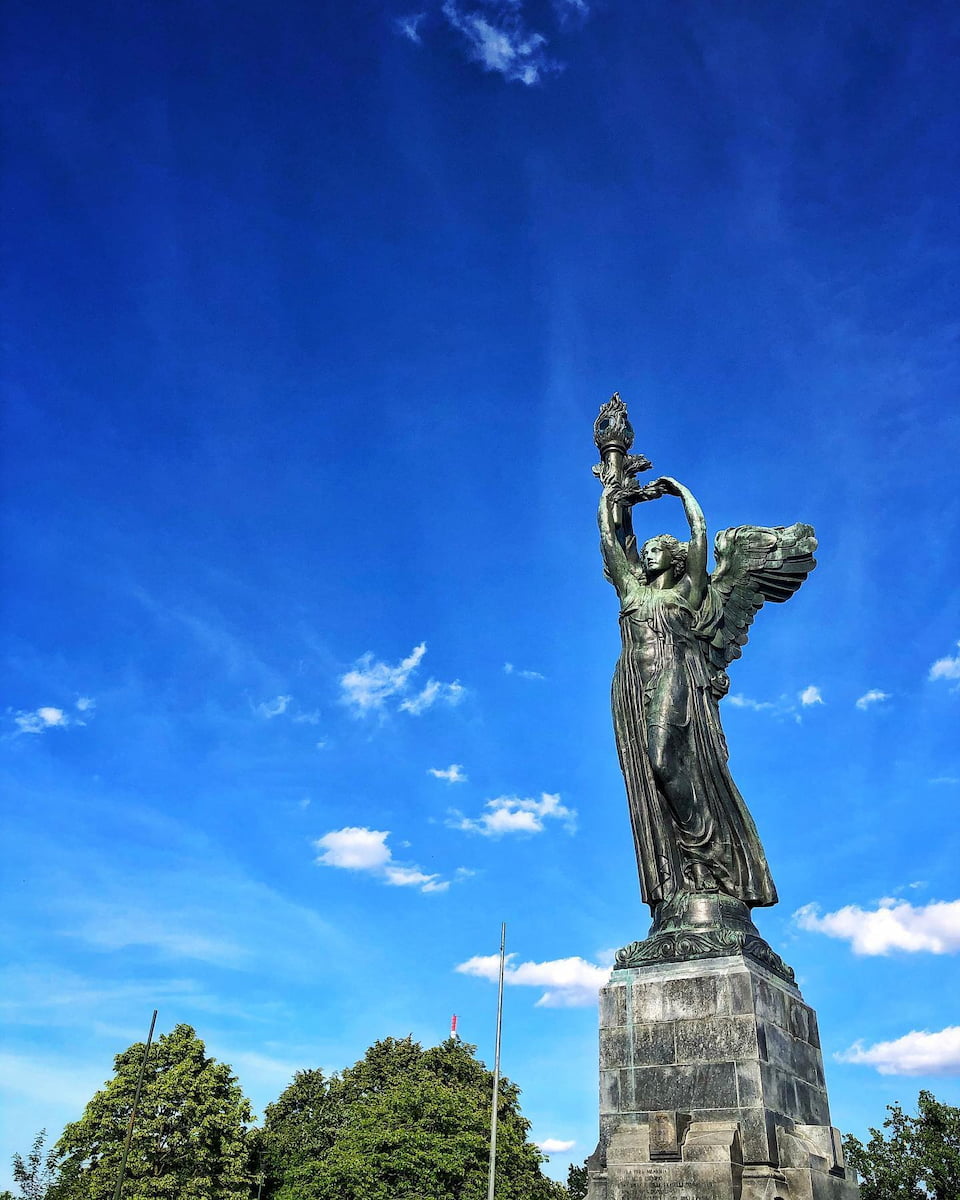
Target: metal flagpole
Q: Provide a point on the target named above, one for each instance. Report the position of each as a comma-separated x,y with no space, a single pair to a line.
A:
491,1178
133,1111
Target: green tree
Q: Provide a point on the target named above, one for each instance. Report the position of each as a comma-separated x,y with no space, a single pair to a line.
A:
36,1174
190,1137
918,1160
402,1124
577,1182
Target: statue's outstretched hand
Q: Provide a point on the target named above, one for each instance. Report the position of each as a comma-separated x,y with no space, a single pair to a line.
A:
668,485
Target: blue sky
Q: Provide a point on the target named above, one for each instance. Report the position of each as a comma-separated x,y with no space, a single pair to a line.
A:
308,312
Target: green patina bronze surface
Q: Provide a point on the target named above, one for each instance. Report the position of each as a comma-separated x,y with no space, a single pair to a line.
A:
681,626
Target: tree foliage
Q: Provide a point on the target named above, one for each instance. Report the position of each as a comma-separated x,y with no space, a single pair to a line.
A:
189,1140
918,1160
402,1124
577,1182
36,1174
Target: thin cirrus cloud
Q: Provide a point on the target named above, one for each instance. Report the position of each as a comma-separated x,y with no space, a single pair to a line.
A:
916,1053
268,709
869,699
494,34
515,814
452,774
409,26
933,928
499,41
510,669
356,848
946,668
569,982
372,686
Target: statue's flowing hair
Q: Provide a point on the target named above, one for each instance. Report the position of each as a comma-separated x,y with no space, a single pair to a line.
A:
678,551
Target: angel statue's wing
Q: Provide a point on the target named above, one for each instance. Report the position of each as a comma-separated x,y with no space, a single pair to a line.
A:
754,564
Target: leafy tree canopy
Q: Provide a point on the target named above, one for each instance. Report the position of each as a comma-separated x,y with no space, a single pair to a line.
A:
918,1160
189,1141
402,1124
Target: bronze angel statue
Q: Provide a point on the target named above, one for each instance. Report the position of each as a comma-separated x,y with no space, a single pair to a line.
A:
681,626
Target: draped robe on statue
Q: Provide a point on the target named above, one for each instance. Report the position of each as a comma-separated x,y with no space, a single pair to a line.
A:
712,826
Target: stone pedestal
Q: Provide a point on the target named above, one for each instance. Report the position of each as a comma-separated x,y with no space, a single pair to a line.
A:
712,1088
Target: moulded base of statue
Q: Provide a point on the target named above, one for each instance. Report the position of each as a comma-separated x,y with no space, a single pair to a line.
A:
712,1088
695,925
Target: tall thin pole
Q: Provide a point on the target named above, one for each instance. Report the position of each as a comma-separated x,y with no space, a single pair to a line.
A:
492,1177
133,1111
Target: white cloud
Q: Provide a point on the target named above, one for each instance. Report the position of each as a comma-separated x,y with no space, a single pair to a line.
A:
555,1145
409,26
948,779
510,669
360,849
916,1053
501,44
86,704
946,668
874,696
45,717
434,690
307,718
274,708
810,695
892,925
570,982
514,814
738,700
355,848
452,774
371,683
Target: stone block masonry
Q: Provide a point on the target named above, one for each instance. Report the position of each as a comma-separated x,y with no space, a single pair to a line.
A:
712,1088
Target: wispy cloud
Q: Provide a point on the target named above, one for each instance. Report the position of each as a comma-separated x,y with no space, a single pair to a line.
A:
273,708
307,718
555,1145
409,26
738,700
48,717
497,38
434,690
946,668
809,696
510,669
356,848
916,1053
892,925
452,774
371,683
570,982
515,814
874,696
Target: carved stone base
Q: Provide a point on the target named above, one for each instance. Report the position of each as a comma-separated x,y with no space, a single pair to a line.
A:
702,925
712,1088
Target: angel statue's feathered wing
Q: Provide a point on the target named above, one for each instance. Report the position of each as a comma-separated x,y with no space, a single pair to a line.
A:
754,564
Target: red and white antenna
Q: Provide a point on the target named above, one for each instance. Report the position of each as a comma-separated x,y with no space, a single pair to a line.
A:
453,1025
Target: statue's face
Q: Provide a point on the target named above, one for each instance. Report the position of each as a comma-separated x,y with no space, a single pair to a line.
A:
655,557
